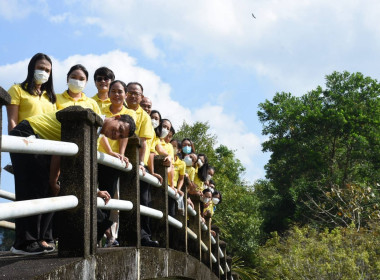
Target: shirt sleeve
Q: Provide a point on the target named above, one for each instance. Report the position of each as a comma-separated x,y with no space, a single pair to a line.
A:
15,94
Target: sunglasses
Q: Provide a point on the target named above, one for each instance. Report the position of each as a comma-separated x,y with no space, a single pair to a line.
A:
101,79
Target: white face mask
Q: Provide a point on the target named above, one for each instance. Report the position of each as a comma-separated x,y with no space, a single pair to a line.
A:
164,132
200,163
155,123
41,77
188,161
76,86
209,177
205,199
215,200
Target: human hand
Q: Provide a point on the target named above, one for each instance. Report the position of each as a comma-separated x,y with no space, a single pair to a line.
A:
158,176
105,195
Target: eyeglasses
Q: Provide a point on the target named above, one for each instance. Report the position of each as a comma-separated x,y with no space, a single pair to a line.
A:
101,79
134,93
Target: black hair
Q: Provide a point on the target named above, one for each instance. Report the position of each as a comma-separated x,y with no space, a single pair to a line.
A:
29,83
159,123
158,129
78,67
118,81
220,195
202,171
172,130
137,84
178,147
212,182
191,144
104,72
128,119
206,190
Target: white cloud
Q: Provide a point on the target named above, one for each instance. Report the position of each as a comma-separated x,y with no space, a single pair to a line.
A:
59,18
14,9
230,131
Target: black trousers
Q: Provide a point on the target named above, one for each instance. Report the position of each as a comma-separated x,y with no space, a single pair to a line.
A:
145,199
31,174
107,181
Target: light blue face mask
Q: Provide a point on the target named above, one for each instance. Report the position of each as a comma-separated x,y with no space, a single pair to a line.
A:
186,149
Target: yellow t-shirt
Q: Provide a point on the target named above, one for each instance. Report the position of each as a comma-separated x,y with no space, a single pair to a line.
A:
179,169
46,126
200,184
115,143
191,172
65,100
103,104
210,207
149,146
30,105
144,129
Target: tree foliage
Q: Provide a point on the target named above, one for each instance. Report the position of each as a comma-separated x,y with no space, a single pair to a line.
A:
325,139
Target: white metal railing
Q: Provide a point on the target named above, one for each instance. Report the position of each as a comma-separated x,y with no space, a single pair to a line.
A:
228,268
213,241
6,224
203,247
150,212
150,179
174,222
191,211
114,162
221,270
213,258
203,226
115,204
7,195
191,234
221,253
32,145
32,207
172,193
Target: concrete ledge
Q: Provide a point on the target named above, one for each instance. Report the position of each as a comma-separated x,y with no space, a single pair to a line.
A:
112,263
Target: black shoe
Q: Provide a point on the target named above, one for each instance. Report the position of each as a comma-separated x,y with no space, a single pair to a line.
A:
149,243
31,249
47,248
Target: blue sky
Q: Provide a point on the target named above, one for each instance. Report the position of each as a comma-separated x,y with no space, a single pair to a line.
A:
198,60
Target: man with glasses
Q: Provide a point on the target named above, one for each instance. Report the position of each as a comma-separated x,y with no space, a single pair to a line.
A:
103,77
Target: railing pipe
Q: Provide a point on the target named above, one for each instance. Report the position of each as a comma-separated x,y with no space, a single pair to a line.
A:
172,193
191,234
221,270
149,179
115,204
25,208
191,211
150,212
213,241
7,195
114,162
203,226
32,145
204,247
8,225
174,222
221,253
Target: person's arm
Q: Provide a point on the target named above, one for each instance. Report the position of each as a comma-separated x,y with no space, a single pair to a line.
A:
107,147
161,151
122,147
55,170
12,112
151,167
180,183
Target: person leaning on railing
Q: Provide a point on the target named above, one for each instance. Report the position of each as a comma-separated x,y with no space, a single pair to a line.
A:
34,96
32,177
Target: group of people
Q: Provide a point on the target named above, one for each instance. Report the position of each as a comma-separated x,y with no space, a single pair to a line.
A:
125,112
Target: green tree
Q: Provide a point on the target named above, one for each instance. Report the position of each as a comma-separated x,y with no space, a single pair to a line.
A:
325,138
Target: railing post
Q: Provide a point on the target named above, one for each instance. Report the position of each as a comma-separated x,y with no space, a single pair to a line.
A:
229,273
77,227
223,261
129,221
160,228
194,246
215,251
5,99
178,237
206,256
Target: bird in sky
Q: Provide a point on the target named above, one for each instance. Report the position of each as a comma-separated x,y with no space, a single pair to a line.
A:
253,16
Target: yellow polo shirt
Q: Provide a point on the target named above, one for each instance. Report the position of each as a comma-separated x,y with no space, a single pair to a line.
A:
30,105
103,104
46,126
115,143
199,183
191,172
65,100
179,169
144,129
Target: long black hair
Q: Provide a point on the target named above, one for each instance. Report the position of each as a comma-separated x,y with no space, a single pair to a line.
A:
29,83
191,144
202,171
78,67
159,123
158,129
118,81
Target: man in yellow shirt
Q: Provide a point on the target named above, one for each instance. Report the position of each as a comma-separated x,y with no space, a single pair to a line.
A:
32,172
144,131
103,77
146,104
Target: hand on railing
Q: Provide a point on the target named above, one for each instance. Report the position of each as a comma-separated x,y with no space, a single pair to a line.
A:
189,202
158,176
142,168
54,187
121,157
167,161
105,195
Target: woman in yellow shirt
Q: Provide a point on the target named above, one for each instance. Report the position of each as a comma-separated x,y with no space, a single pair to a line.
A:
35,95
77,78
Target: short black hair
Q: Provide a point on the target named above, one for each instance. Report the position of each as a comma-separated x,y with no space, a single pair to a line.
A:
78,67
136,84
118,81
220,195
104,72
206,191
29,83
128,119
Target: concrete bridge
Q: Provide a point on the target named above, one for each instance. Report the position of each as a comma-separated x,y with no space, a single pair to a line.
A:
187,248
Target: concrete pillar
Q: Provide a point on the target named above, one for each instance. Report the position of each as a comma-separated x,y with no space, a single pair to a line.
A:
215,251
206,256
160,228
194,246
229,274
223,261
77,227
178,237
5,99
129,221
